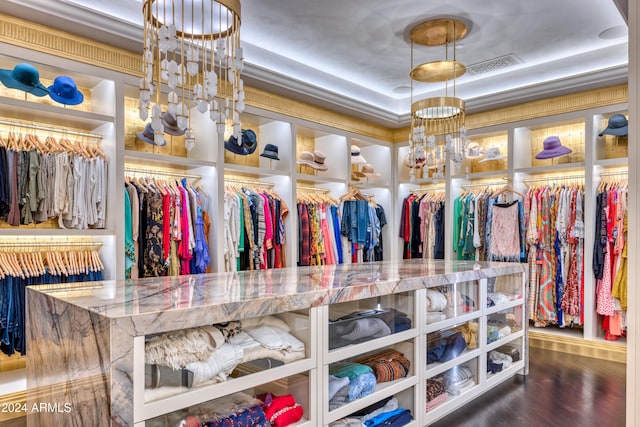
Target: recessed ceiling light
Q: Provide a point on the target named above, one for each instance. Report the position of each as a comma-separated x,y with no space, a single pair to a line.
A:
616,32
401,90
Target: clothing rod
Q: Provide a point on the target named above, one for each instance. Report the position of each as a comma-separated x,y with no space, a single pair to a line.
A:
161,172
56,245
559,178
50,129
620,173
313,189
248,182
484,184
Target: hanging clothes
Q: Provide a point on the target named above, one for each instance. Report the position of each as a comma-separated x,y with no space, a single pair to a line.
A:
21,269
361,226
610,258
254,232
422,225
554,221
57,180
319,229
488,225
164,228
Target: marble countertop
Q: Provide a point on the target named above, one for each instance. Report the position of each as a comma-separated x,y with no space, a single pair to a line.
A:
237,295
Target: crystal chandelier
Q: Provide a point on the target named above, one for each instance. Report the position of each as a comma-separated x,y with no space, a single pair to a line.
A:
437,124
193,48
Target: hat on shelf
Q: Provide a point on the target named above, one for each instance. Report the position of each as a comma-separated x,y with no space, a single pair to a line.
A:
369,171
356,157
314,160
618,125
270,151
247,145
65,91
148,136
24,77
493,153
171,124
474,151
552,147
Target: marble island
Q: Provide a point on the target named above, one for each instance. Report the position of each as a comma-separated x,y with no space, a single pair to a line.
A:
84,341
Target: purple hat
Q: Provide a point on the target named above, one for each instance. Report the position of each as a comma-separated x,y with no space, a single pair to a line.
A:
552,147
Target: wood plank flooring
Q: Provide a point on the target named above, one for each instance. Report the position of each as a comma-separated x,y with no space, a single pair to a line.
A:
561,390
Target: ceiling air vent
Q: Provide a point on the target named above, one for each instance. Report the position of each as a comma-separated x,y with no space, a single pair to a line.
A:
493,64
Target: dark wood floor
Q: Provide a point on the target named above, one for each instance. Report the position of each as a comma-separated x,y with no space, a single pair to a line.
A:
561,390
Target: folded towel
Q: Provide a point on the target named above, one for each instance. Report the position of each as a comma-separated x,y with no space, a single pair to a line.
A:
359,329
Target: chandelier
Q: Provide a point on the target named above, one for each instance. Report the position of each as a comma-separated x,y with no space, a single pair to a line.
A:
437,124
192,48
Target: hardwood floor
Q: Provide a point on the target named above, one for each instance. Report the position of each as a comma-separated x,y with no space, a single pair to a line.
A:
561,390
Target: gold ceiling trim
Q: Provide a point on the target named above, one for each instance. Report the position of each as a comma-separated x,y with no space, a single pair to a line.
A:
595,98
44,39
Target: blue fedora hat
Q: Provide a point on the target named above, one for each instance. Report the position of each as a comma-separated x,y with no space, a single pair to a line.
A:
24,77
65,91
248,145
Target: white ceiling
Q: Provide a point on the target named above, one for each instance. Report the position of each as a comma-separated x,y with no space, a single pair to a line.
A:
354,55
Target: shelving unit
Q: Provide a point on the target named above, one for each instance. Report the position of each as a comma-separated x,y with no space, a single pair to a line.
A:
307,310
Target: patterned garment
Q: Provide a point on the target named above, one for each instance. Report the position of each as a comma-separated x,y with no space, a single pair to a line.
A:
250,417
546,300
153,259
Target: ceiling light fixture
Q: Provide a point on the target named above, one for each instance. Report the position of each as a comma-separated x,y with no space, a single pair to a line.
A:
437,123
192,47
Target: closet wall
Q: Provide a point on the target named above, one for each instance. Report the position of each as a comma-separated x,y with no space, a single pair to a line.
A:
518,132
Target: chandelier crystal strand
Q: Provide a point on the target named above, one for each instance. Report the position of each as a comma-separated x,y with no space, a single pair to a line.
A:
192,47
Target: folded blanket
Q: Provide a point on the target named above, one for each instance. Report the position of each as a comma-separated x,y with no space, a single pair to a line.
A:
179,348
218,366
253,350
336,384
348,369
360,386
436,301
358,329
274,338
266,321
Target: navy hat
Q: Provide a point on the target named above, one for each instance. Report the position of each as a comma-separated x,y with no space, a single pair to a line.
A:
248,145
618,125
24,77
147,135
65,91
270,151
